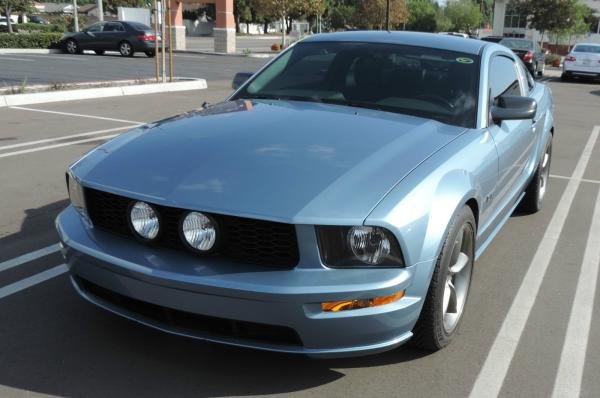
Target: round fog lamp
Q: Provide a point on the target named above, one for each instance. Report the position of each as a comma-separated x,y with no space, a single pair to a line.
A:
144,220
199,231
369,244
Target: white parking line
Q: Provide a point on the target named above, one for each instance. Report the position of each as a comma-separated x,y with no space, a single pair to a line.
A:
33,280
572,359
76,115
569,178
65,137
65,57
34,255
491,377
15,59
43,148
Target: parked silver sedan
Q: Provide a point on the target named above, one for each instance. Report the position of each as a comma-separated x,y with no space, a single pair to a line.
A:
582,61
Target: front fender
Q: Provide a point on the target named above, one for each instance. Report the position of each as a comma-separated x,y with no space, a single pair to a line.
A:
420,208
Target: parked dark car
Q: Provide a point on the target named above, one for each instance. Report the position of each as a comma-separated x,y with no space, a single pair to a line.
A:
37,19
492,39
532,55
123,36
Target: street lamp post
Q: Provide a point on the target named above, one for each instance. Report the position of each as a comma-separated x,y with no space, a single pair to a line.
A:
100,10
75,17
387,15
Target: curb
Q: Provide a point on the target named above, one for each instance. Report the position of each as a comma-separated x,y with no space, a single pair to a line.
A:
103,92
204,52
29,51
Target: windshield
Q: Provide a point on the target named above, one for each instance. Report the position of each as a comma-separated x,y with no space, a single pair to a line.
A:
586,48
419,81
517,44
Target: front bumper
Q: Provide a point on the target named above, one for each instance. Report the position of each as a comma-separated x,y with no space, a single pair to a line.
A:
235,304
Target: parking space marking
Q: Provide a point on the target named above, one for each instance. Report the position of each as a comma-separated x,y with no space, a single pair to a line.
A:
44,148
25,258
77,115
33,280
66,137
15,59
65,57
572,359
493,372
569,178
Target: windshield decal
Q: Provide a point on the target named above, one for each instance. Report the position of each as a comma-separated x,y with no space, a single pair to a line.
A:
464,60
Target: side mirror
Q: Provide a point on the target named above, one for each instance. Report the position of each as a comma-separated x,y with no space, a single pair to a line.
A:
239,79
512,107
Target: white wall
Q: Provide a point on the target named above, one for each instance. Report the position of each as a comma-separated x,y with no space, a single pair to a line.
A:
141,15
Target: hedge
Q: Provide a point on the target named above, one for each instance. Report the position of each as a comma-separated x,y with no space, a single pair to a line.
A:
37,27
29,40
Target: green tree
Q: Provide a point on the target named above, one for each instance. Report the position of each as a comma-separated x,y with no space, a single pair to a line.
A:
547,15
578,23
464,15
422,16
371,14
443,23
7,7
242,13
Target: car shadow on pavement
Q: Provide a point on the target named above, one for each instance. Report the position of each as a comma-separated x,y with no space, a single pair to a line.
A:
53,342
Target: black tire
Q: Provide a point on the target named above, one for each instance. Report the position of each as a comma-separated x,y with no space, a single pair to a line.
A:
564,77
150,53
535,192
126,49
72,47
430,332
540,72
99,52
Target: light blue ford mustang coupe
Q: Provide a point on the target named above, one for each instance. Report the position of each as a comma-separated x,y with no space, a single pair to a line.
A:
333,205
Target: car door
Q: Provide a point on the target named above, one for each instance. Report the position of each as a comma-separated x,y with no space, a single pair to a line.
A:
112,34
91,37
514,139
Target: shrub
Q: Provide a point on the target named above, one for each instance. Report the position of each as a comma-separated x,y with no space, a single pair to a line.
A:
36,27
30,40
551,58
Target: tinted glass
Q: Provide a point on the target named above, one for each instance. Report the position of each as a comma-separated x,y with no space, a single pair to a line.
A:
139,26
503,77
517,44
586,48
426,82
97,27
113,27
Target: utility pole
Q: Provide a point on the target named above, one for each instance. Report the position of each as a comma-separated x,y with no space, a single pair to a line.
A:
156,38
100,10
75,17
170,41
387,16
163,52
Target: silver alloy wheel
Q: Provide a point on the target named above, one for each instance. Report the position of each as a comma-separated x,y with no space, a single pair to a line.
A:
125,49
544,173
458,278
71,47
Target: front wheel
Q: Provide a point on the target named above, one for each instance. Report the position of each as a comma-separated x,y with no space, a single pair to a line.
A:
449,287
540,72
99,52
126,49
72,47
536,190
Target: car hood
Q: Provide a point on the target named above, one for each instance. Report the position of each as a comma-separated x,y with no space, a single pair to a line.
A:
289,161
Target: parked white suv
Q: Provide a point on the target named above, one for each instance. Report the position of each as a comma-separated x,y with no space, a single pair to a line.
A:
582,61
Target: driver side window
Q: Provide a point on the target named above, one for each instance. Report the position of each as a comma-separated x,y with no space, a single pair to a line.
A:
503,78
95,28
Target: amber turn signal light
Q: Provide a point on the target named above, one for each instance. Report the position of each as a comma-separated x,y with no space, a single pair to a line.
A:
343,305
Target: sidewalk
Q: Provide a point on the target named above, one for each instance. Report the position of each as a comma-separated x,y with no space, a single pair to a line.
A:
244,44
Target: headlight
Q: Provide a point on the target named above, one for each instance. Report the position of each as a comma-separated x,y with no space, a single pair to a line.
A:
76,195
199,231
144,220
358,246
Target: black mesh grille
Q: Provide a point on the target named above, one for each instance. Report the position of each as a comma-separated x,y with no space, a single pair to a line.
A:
194,322
241,239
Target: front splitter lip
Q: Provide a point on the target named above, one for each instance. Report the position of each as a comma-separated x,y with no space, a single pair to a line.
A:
322,353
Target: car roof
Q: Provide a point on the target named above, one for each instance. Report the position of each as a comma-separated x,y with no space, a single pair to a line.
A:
516,39
588,44
432,40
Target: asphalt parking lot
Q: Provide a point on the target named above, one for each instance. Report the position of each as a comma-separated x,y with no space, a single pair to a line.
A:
28,69
531,327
